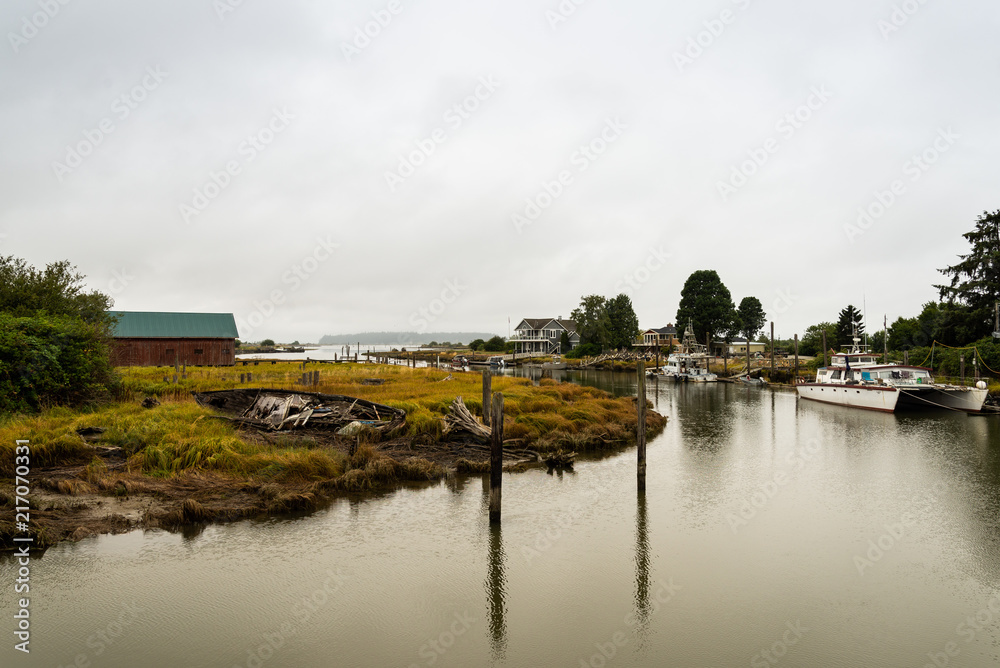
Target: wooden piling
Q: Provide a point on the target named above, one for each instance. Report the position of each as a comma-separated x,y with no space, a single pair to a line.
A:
906,357
250,376
496,457
772,348
243,378
796,360
824,347
487,392
641,434
961,364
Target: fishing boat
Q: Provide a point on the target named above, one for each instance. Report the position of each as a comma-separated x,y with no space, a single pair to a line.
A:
857,379
690,362
555,364
279,410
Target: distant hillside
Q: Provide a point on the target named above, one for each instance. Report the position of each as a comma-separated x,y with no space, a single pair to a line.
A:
404,338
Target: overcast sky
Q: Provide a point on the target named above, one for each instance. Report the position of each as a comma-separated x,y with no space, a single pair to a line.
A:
330,167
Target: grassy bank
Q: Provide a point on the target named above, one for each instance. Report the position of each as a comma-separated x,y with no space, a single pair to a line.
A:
200,468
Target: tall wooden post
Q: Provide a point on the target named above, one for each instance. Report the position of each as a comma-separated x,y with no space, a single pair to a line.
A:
641,434
961,362
824,347
748,357
496,457
906,357
487,392
772,347
796,360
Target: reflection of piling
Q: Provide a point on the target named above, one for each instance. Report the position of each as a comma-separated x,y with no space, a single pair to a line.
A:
487,392
641,565
641,434
497,594
496,456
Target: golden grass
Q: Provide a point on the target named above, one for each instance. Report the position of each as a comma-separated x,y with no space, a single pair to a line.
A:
180,436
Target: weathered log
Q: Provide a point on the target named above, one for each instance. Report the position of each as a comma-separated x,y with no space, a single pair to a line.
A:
459,419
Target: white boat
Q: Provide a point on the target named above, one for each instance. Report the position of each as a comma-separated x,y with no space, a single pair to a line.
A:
758,382
690,363
555,364
857,379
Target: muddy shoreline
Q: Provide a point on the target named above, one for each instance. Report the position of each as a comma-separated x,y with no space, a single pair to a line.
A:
66,506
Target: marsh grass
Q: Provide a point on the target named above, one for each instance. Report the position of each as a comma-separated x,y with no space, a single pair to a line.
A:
180,436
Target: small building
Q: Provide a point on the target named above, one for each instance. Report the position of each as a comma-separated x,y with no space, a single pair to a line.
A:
543,335
737,347
660,337
148,338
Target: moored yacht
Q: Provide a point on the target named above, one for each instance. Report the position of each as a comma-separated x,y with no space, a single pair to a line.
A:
857,379
690,363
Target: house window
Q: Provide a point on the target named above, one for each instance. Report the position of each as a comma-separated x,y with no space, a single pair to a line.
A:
199,351
225,351
169,352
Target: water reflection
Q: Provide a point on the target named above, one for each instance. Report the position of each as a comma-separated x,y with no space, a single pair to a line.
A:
496,594
641,569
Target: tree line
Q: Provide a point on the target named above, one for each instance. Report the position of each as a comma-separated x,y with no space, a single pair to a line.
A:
962,315
55,337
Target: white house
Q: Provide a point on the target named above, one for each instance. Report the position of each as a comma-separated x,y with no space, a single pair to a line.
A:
738,347
542,335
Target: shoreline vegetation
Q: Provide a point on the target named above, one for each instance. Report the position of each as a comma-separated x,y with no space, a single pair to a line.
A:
115,466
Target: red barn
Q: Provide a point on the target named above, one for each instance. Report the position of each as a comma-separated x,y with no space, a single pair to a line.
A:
144,338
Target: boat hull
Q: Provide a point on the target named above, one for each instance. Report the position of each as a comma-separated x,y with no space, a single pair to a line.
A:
967,399
882,399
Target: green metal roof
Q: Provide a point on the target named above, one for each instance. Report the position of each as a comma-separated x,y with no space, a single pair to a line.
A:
151,324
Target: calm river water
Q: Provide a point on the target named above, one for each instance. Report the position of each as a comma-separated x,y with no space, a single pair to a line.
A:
773,532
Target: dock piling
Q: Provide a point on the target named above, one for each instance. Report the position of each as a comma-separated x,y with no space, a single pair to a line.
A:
641,434
487,392
772,348
496,457
795,382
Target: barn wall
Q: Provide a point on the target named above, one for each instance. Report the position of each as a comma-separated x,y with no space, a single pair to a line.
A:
164,352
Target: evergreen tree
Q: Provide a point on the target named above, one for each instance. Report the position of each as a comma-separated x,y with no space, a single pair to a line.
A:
975,281
623,324
850,318
751,317
706,302
591,319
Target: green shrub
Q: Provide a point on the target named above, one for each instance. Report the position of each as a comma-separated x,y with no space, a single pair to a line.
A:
47,360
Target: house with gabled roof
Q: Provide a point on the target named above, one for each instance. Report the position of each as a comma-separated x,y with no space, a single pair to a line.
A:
542,335
660,337
150,338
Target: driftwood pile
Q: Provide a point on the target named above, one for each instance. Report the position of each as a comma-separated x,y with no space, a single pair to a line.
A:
618,355
461,424
459,420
